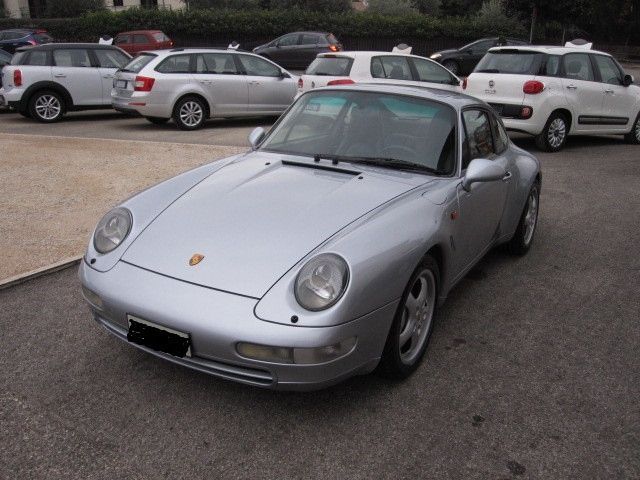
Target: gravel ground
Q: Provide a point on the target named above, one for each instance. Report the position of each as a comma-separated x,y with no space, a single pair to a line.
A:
54,190
533,372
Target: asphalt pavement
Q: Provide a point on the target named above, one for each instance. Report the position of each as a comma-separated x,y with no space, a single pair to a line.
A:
532,372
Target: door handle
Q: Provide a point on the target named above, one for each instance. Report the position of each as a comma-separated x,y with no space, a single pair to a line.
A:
254,82
206,82
107,76
507,177
608,91
572,87
60,75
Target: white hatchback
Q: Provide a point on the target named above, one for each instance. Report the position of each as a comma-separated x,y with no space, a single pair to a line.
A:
345,68
554,92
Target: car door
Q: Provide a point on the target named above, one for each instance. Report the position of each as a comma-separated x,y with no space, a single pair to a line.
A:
308,49
141,43
123,41
583,93
270,91
226,87
390,68
480,210
73,69
619,100
285,52
108,62
429,72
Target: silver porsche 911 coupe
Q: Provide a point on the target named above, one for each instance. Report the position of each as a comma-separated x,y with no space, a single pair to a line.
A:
323,252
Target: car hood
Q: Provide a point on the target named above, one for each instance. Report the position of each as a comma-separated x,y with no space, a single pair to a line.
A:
255,218
446,52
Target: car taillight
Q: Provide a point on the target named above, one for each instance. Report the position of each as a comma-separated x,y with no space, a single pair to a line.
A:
17,78
533,87
143,84
342,81
300,83
464,84
333,48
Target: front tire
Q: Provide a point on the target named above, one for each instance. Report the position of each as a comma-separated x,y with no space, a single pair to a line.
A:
554,135
46,106
523,238
157,120
633,136
189,113
413,322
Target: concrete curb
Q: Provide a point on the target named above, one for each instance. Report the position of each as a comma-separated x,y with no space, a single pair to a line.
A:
39,272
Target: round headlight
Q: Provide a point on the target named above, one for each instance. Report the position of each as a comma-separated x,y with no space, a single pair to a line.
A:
321,282
112,229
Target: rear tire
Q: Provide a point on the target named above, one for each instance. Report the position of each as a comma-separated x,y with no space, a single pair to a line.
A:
633,136
46,106
523,238
190,113
157,120
452,66
413,322
554,134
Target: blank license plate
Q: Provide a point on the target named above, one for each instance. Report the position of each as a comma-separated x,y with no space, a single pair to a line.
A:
157,337
121,84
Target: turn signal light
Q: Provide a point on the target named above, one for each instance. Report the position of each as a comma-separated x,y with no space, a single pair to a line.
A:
17,78
143,84
533,87
342,81
526,112
300,83
333,48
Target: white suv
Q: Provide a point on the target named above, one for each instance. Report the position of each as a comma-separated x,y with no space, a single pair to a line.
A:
46,81
553,92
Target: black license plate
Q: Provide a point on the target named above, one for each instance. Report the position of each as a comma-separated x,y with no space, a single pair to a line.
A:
159,338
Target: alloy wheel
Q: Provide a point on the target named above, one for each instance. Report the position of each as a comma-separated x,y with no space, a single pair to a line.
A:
531,217
48,107
417,316
191,113
557,132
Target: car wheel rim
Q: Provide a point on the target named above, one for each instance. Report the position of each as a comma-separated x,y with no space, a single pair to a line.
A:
638,130
191,114
48,107
557,133
531,217
417,315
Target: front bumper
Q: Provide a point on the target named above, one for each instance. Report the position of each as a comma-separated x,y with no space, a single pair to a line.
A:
217,321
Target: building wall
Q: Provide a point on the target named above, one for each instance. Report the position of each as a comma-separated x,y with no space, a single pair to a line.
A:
16,8
118,5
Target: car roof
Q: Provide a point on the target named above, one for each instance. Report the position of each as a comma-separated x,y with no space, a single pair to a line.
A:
67,46
545,49
365,54
139,31
455,99
167,51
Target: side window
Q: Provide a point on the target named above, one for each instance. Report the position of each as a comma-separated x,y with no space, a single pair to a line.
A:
37,57
257,66
500,137
308,39
431,72
478,142
288,40
551,66
577,66
390,66
140,39
609,71
175,64
71,58
121,39
217,63
111,58
482,47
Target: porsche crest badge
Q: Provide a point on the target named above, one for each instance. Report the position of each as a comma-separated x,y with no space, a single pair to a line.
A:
195,259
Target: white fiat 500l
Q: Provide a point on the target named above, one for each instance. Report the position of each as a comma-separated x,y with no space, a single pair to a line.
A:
191,85
376,67
553,92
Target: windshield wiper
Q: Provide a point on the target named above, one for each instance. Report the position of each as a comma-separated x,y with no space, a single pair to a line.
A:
388,162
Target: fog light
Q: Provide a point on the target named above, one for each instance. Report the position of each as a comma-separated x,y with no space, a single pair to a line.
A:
92,297
526,112
300,356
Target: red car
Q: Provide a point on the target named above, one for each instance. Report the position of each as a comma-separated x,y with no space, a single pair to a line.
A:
142,40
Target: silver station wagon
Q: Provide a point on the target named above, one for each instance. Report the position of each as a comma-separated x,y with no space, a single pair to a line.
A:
192,85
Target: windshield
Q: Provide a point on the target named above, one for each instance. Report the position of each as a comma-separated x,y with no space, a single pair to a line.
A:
139,62
332,66
396,131
510,61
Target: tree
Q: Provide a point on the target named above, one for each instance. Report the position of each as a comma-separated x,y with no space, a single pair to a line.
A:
392,7
72,8
493,13
428,7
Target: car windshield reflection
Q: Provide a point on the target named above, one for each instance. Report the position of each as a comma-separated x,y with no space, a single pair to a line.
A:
391,130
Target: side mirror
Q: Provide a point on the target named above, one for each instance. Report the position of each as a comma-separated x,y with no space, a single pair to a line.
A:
628,80
284,74
256,137
482,170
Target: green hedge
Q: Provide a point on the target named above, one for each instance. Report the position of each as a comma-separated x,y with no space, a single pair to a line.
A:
259,23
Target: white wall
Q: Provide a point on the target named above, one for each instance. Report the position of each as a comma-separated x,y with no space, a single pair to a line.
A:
17,8
172,4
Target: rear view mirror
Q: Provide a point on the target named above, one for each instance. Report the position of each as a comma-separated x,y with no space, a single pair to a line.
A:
628,80
256,137
284,74
482,170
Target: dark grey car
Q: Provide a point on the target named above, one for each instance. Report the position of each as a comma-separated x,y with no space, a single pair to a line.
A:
298,49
